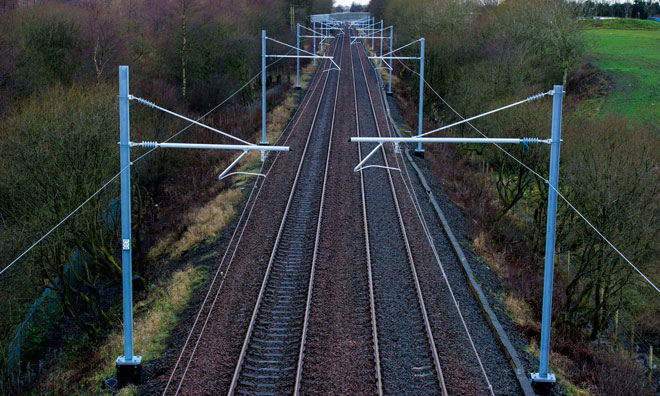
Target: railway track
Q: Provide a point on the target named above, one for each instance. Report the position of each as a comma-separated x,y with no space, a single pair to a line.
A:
460,331
339,349
230,317
338,256
407,360
270,362
365,222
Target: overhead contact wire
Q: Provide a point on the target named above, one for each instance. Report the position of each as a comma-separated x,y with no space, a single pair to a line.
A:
248,335
296,117
416,204
420,297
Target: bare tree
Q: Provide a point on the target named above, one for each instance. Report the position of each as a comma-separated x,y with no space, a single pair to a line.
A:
103,31
58,152
612,174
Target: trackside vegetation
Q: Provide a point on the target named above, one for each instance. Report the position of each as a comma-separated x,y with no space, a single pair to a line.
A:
58,89
628,52
483,56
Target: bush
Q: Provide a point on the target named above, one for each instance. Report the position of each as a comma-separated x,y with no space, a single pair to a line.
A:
619,376
58,148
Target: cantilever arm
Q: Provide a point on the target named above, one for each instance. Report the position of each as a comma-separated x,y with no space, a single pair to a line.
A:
359,166
155,106
389,67
222,175
290,46
400,48
308,56
251,147
311,30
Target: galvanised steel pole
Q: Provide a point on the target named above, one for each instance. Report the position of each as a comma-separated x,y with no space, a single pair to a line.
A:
373,27
321,47
314,42
420,151
128,359
126,258
389,89
298,55
380,61
546,320
263,88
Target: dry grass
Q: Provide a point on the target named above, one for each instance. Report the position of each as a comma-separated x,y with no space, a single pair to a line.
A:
160,311
519,310
494,259
563,368
205,223
162,248
201,224
129,390
154,317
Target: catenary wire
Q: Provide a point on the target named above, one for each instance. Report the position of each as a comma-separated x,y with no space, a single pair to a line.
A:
183,349
427,325
418,209
229,265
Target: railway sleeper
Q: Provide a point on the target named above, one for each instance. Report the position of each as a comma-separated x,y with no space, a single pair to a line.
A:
281,343
279,369
277,319
256,360
252,393
277,354
278,295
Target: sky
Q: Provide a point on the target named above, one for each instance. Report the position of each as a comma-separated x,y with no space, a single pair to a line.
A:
349,2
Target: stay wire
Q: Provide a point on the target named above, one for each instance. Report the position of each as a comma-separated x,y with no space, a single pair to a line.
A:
113,178
646,278
61,222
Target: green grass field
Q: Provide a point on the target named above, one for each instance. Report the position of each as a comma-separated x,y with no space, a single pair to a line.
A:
628,51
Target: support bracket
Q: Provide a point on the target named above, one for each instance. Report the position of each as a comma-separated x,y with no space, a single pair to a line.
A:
129,371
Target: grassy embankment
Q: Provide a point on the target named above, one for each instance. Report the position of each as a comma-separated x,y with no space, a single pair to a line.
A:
628,52
156,315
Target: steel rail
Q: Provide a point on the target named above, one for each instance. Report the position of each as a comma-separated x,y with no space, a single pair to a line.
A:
408,183
420,297
291,125
296,389
365,222
278,238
